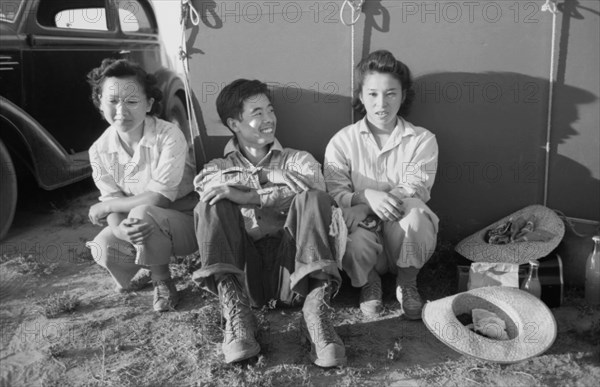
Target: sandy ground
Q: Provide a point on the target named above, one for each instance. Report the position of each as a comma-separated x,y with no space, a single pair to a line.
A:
116,339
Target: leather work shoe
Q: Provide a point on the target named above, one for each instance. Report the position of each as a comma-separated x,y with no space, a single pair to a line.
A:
139,281
165,295
370,296
410,301
142,278
327,349
239,342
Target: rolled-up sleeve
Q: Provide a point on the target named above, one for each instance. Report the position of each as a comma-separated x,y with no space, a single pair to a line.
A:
220,172
279,197
203,180
337,173
103,179
169,169
418,175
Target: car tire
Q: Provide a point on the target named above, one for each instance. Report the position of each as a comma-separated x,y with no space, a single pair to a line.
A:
8,190
177,114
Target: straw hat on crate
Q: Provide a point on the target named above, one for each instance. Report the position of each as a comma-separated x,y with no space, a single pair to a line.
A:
476,249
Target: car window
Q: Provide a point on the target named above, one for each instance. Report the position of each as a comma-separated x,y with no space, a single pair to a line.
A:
82,19
80,14
133,17
9,10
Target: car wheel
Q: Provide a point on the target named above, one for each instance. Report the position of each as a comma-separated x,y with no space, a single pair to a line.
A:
8,189
177,114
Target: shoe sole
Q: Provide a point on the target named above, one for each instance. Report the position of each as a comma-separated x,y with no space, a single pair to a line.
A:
408,315
247,354
369,312
327,364
170,308
313,353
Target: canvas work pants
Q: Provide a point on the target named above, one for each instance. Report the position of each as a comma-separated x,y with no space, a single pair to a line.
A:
273,268
407,243
173,235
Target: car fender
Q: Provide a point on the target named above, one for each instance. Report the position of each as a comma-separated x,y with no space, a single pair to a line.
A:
171,86
49,163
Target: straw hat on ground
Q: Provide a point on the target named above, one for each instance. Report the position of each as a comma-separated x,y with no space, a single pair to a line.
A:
477,249
530,325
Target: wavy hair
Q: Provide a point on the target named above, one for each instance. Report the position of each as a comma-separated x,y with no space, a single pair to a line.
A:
120,68
384,62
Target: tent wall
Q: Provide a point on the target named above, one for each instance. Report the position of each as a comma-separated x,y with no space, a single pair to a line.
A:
481,76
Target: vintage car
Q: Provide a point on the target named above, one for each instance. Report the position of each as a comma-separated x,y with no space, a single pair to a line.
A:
47,119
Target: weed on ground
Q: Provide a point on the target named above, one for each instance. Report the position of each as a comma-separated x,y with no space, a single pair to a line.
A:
58,303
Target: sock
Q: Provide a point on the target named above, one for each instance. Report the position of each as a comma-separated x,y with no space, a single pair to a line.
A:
407,276
160,272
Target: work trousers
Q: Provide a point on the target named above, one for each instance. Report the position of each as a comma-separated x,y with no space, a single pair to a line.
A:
272,268
173,235
409,242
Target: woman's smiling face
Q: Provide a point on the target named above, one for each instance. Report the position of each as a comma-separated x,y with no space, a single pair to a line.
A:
382,96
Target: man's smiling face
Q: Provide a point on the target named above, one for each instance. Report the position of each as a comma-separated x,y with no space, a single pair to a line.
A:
256,128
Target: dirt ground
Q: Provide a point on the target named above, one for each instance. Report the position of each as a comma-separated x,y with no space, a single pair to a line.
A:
62,324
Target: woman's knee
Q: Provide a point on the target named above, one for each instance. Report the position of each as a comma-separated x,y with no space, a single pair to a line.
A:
418,217
144,212
99,246
414,219
108,250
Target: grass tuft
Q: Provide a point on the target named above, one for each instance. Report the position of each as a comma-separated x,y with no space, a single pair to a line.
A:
58,303
183,267
29,264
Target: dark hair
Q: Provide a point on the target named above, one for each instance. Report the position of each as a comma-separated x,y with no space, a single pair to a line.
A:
382,61
230,102
120,68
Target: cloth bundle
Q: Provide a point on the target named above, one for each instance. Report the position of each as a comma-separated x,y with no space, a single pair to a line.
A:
488,324
521,229
339,232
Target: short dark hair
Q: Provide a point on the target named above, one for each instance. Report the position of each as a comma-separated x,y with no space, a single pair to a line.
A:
120,68
384,62
230,102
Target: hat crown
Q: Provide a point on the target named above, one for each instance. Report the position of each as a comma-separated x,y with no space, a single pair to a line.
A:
530,325
546,221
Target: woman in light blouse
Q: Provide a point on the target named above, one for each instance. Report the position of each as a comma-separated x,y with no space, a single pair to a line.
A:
380,170
144,171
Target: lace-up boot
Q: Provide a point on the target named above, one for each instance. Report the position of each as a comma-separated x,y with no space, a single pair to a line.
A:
239,342
370,296
410,300
327,349
165,295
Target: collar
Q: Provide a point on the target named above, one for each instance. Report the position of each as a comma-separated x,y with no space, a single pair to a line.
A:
402,129
234,146
148,139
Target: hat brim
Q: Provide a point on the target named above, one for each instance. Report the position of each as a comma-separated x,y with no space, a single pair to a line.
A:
530,324
477,249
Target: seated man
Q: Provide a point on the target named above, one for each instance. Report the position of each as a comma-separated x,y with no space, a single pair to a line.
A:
262,195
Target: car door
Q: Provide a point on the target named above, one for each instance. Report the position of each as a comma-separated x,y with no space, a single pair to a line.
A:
67,39
138,32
